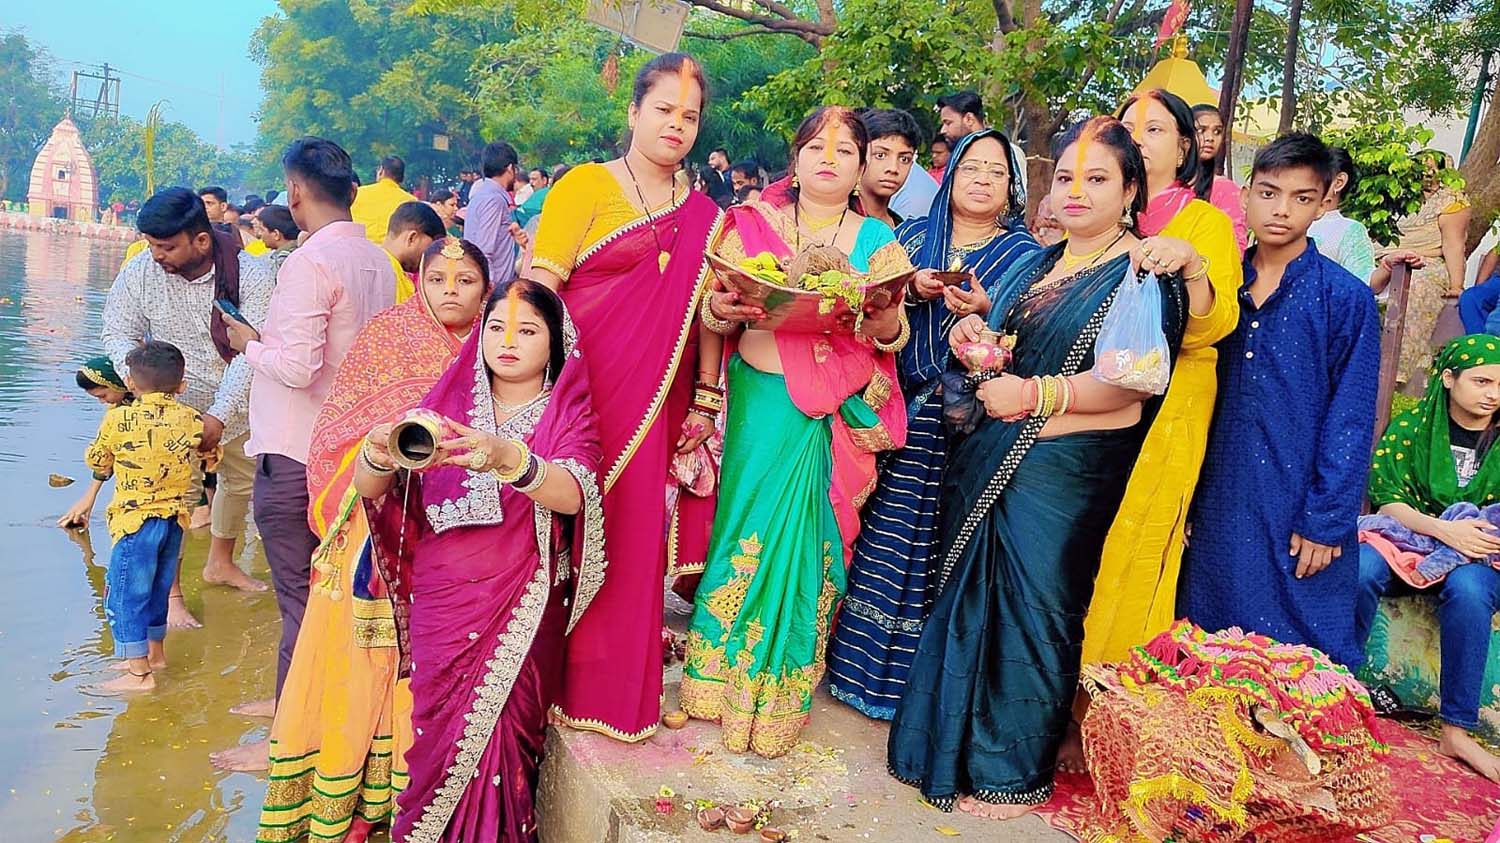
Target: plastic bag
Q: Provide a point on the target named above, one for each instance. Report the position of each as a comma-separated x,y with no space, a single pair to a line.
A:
1131,350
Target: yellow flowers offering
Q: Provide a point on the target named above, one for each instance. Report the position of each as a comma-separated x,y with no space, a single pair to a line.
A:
764,267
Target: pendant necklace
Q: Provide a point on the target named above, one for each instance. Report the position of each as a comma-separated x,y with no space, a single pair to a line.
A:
797,224
662,256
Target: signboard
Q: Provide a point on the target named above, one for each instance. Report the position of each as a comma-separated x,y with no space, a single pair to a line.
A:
654,25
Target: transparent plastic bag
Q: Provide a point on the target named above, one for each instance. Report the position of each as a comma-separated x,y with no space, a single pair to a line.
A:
1131,350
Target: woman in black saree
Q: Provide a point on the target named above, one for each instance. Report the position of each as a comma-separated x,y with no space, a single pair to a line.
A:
1030,494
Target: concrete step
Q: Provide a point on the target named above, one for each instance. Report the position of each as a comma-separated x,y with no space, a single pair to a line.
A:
832,787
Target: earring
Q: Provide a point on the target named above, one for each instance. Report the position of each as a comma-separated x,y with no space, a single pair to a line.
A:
794,179
1127,221
856,191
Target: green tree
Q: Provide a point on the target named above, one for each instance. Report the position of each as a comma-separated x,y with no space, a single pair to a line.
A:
30,105
376,80
1391,177
181,159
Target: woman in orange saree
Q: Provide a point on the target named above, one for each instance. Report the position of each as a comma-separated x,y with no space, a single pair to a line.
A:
344,722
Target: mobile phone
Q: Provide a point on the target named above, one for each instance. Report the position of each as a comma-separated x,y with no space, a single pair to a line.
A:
227,307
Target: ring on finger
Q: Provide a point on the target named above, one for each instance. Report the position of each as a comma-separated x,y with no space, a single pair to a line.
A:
477,460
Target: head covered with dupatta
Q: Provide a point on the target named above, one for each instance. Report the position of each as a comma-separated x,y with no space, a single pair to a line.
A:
99,373
558,427
933,253
1413,462
395,360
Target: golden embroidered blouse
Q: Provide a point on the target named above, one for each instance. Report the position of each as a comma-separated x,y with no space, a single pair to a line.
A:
150,447
580,210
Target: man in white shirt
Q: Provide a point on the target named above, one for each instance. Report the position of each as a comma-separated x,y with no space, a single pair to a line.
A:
168,292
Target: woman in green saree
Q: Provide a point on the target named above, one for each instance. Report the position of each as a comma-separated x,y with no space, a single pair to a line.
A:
1030,494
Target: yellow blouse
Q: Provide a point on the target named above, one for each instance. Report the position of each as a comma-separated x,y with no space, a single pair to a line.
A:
583,208
1135,594
150,447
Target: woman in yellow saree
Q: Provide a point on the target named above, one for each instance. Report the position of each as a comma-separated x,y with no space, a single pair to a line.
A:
344,722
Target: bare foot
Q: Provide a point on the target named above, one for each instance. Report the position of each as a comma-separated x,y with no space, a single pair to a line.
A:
1458,743
129,683
986,811
228,574
178,616
1070,757
202,516
255,708
246,758
359,830
124,666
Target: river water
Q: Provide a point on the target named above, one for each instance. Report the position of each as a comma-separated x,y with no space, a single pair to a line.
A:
75,767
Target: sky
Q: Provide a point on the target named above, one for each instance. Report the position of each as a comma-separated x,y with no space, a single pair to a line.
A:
183,51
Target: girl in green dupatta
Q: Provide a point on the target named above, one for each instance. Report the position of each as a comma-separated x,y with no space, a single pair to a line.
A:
98,378
1432,457
1030,494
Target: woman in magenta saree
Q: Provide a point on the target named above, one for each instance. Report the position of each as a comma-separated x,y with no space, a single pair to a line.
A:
624,243
492,557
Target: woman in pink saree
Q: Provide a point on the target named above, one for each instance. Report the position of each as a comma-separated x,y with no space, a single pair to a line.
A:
491,556
625,242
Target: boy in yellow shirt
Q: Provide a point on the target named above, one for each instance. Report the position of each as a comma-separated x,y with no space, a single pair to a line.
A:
150,447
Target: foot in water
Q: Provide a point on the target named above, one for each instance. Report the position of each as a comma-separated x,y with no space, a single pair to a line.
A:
255,708
1070,758
247,758
178,616
985,811
227,573
1457,743
127,683
124,666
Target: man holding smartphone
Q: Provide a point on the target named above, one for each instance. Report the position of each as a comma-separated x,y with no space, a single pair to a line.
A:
167,292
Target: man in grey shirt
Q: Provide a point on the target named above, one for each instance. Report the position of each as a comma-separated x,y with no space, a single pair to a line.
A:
168,293
489,221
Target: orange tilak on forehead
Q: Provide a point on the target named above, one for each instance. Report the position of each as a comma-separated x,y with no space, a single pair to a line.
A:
684,79
1085,139
830,140
512,305
450,276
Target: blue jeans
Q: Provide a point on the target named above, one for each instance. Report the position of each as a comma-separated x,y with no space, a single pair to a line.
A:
1467,600
141,570
1477,306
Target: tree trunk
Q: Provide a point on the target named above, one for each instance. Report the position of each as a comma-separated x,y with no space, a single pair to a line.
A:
1289,69
1234,72
1481,171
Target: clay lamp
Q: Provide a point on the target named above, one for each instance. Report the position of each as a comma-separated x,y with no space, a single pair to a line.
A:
740,820
674,719
772,835
711,818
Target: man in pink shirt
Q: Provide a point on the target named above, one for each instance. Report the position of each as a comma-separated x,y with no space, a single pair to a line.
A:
325,292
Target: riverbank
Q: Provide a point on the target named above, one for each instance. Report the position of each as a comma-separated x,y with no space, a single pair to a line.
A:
53,227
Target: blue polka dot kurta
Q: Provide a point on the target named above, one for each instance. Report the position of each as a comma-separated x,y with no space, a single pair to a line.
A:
1288,452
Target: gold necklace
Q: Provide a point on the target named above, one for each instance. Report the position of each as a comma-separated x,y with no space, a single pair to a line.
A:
1070,260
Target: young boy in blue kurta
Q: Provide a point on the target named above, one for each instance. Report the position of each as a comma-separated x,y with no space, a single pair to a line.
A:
1273,546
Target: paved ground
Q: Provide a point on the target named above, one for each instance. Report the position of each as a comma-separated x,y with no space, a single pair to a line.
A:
834,787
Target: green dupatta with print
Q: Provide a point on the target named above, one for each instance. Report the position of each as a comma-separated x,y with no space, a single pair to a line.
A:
1413,461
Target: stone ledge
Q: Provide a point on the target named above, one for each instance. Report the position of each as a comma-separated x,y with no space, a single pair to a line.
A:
833,787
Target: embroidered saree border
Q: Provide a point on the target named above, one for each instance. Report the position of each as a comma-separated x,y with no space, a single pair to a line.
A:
654,410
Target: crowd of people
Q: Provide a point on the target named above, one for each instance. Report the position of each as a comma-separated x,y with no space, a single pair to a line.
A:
480,432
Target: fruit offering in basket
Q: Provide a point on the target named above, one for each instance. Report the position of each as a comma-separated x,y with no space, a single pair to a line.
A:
817,291
991,353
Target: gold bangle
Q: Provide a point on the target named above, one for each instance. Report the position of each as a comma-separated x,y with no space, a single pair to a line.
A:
508,477
364,456
1202,270
902,337
722,327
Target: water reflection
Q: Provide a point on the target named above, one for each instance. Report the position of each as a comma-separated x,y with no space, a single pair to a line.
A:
73,767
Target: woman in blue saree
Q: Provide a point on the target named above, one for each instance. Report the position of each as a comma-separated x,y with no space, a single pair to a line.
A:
975,225
1029,495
